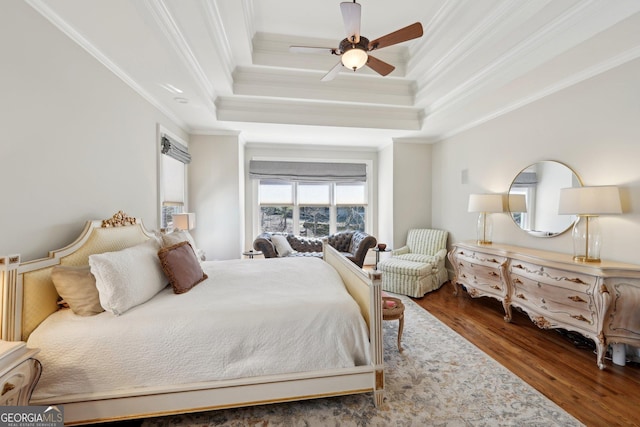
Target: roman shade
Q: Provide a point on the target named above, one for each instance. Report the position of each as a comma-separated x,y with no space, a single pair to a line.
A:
174,149
308,171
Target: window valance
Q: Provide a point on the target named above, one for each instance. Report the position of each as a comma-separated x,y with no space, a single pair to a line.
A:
175,150
307,171
526,178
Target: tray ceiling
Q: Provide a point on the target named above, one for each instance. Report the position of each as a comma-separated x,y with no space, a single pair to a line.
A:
220,66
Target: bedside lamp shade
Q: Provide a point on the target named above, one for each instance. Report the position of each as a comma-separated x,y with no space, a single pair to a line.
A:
184,221
485,204
587,203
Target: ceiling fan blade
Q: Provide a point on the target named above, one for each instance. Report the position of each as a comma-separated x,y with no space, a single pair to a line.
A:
409,32
351,17
379,66
332,73
311,49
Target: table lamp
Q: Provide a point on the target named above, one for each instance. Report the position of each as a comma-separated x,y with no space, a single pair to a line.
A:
485,204
588,203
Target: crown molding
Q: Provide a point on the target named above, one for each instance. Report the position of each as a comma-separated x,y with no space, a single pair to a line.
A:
44,10
282,83
168,26
219,36
291,112
487,28
481,79
585,74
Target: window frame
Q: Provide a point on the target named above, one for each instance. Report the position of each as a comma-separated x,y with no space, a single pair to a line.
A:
176,206
368,194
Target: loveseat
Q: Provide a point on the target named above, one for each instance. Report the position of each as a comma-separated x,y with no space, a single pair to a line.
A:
352,244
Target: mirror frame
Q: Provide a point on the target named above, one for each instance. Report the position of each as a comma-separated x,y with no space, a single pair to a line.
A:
541,233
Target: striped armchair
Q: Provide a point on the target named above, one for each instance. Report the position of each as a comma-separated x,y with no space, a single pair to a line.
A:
418,267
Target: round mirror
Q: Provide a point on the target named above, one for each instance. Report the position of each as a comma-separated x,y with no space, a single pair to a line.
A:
534,197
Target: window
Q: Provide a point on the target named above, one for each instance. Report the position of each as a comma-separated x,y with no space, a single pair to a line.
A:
311,209
276,206
173,195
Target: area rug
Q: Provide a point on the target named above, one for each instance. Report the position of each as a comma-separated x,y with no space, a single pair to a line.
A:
440,379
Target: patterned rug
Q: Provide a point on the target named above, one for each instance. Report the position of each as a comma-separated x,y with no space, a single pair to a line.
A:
440,379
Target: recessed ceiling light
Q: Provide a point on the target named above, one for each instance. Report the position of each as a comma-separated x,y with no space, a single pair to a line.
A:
171,88
181,100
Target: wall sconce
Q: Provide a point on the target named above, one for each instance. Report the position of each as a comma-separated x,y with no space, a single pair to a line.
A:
184,221
588,203
485,204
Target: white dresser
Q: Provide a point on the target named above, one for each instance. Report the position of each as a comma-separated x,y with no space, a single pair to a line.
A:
598,300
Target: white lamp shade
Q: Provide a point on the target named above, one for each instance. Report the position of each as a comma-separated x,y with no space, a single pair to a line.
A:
590,201
184,221
517,203
485,203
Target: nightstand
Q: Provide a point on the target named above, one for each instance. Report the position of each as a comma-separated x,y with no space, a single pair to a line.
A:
19,373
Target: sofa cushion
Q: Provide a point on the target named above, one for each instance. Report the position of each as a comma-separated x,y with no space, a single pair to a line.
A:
409,268
283,248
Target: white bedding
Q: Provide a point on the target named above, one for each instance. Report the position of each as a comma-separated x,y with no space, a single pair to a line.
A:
249,318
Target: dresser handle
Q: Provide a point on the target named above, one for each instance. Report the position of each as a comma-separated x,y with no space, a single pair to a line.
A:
577,280
494,274
493,260
580,317
519,266
7,388
576,298
496,287
521,296
461,264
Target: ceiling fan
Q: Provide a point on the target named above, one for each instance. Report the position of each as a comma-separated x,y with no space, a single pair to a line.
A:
354,50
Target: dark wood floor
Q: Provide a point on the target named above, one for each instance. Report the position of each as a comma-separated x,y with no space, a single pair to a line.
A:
561,367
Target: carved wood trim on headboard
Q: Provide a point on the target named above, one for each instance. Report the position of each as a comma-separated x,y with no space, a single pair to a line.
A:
28,294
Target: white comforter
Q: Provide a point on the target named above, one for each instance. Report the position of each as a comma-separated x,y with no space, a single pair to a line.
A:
249,318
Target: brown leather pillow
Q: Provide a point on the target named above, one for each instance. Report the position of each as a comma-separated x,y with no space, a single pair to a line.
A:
181,266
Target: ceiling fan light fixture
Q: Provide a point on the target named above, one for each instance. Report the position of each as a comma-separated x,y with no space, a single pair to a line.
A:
354,58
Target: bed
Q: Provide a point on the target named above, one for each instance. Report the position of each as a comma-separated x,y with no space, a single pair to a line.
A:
251,332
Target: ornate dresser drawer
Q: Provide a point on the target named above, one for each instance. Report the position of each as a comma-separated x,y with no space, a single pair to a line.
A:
597,300
480,273
14,386
554,297
19,373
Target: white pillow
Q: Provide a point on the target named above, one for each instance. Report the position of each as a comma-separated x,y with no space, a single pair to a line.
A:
283,248
128,277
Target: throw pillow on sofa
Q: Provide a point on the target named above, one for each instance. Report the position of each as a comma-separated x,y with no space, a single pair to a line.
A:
283,248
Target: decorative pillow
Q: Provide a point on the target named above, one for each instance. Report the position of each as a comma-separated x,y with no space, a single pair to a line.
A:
283,248
178,236
128,277
77,287
181,266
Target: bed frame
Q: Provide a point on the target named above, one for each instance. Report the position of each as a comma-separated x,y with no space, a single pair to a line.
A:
28,297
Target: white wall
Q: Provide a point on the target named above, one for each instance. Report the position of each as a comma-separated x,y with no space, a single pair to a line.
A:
77,143
411,189
216,185
385,196
593,127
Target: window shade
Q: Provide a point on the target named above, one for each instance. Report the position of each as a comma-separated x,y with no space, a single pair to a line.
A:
307,171
174,149
526,178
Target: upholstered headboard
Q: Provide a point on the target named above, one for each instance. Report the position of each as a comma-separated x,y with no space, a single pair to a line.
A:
28,293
